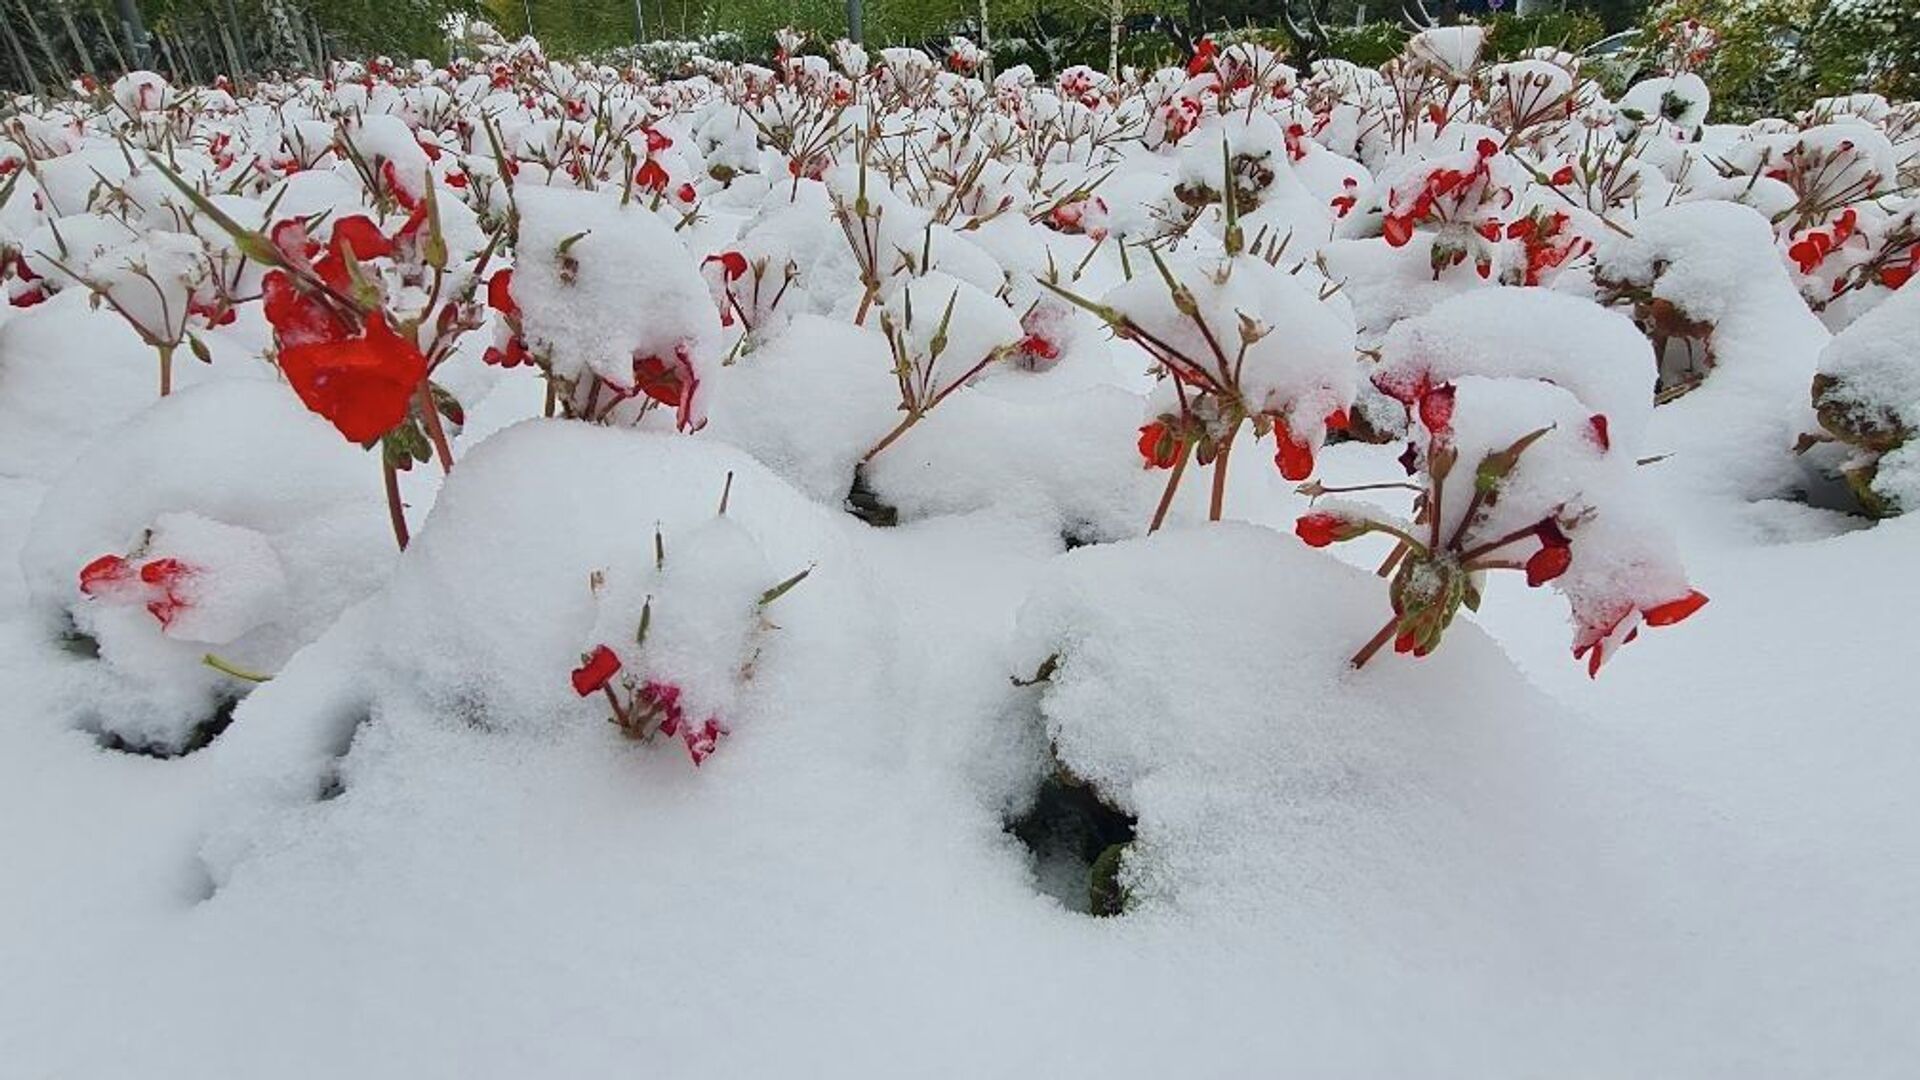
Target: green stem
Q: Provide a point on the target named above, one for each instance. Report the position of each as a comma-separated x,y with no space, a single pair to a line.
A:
226,668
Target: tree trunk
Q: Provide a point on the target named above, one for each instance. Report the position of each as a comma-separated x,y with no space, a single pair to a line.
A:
1116,14
79,43
139,50
986,42
20,56
56,65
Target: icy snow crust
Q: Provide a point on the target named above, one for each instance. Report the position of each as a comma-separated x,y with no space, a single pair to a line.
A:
419,850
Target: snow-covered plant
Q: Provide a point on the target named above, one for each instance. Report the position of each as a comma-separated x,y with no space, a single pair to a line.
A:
1235,342
1867,396
707,598
1521,457
609,305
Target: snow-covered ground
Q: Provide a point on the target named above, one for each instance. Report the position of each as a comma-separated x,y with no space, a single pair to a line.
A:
867,475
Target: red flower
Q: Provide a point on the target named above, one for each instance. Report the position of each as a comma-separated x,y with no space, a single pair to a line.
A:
1597,425
733,265
362,235
1548,563
362,384
1674,611
513,355
105,574
1562,176
596,671
663,697
390,177
651,176
1159,447
1204,51
1398,229
164,572
1321,528
1436,409
658,379
1295,458
297,318
656,141
701,743
1036,345
500,293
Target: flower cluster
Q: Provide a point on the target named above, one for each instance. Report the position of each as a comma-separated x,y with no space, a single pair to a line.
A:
162,585
650,708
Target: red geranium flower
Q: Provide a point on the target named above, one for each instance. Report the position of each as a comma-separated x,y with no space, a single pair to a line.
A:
651,176
597,670
105,574
1158,446
1203,53
1549,562
1674,611
1320,528
362,384
500,293
733,265
1294,457
1436,409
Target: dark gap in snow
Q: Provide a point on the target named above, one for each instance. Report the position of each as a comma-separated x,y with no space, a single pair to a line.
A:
333,780
77,642
1076,841
199,738
867,506
332,784
1081,534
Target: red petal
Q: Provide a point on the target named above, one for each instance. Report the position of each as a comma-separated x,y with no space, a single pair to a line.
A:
1674,611
366,239
596,672
362,385
500,293
1294,458
102,572
1548,563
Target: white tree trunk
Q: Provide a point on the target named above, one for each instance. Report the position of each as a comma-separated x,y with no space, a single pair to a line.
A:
1116,10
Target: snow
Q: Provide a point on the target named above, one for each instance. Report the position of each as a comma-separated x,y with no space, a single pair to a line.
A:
802,542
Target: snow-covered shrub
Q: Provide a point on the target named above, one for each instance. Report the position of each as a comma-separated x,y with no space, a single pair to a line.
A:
1867,395
198,547
647,590
1523,454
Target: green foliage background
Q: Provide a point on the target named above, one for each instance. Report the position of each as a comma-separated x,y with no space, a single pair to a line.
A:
1776,56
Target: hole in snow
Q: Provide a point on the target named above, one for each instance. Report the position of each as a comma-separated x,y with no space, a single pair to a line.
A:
867,506
199,738
77,642
1076,841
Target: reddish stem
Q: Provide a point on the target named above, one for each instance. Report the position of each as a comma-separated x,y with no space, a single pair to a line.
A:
1173,482
435,431
1378,642
1218,501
